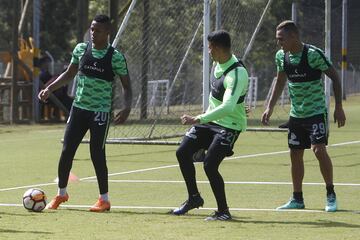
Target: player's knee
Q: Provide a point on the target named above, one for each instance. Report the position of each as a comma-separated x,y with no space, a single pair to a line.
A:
182,154
210,169
319,150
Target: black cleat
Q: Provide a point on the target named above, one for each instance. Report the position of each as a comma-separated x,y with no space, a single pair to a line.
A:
191,203
220,216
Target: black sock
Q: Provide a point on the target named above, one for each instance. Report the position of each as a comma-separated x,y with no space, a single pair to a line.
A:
298,196
330,189
226,210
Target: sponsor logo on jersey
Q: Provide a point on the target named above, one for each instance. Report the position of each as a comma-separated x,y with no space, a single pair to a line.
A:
297,75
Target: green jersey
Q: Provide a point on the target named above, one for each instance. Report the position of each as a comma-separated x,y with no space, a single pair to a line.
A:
307,97
228,112
92,93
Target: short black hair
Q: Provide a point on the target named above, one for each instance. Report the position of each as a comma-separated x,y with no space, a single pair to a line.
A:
220,38
288,26
101,18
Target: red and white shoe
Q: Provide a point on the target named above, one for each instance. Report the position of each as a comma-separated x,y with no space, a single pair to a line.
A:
100,206
56,201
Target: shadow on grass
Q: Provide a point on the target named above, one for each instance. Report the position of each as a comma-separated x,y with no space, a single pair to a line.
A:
236,220
154,213
117,211
2,230
318,223
26,214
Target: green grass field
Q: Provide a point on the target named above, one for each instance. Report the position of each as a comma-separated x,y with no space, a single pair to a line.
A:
144,187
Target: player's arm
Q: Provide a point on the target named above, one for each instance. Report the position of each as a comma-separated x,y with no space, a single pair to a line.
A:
120,68
60,81
127,91
277,89
275,94
234,87
339,115
66,76
321,62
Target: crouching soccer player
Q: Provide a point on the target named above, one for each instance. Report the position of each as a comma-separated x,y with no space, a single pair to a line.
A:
217,129
96,63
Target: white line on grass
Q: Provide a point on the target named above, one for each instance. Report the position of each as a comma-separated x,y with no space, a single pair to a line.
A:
228,158
169,208
176,165
133,171
226,182
28,186
170,166
344,143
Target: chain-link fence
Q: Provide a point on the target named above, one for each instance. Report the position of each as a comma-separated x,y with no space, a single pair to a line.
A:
163,42
312,26
167,43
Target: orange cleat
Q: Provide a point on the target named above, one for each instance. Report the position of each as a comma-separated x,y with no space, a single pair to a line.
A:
56,201
100,206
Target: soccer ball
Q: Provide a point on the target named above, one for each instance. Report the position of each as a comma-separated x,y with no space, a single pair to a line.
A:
34,199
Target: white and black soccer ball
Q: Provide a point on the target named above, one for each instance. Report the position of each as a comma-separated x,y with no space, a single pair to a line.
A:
34,200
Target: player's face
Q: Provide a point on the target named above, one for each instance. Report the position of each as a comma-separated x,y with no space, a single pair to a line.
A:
284,40
99,32
213,51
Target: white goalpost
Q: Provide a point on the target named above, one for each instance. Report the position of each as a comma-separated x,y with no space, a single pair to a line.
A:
123,24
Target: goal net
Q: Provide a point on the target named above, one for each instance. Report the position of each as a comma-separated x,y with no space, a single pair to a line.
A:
157,90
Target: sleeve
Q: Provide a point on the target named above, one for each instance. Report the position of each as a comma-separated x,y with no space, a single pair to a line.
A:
77,53
279,60
119,64
318,60
235,85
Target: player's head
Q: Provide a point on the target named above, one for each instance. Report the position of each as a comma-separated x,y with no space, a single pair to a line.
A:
100,29
219,44
287,34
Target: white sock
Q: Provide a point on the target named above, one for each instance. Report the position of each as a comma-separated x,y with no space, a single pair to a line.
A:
105,197
62,191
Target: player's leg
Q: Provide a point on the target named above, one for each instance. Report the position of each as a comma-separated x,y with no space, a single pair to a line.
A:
193,140
99,125
319,139
297,169
326,167
75,131
298,140
220,147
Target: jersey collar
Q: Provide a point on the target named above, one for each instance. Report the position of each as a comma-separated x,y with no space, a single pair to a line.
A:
221,68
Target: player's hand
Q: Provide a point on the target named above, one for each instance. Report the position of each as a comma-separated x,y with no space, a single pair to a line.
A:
187,119
265,118
122,116
44,94
339,116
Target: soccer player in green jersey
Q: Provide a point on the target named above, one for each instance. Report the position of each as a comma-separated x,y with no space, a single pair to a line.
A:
303,65
217,129
96,63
